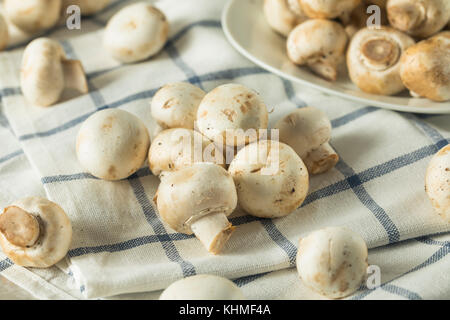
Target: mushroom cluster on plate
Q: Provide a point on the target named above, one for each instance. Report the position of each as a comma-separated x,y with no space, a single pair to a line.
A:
387,46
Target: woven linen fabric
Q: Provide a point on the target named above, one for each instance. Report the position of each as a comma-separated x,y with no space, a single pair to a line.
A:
119,243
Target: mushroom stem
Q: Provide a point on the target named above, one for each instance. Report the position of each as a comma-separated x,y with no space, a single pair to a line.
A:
321,159
326,69
74,76
19,227
213,230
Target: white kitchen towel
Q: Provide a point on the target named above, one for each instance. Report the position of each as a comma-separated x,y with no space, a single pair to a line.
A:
121,246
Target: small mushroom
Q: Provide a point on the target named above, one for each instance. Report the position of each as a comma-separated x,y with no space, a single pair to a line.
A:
33,15
4,33
202,287
175,105
308,132
320,44
198,199
136,33
178,148
373,60
283,15
419,18
271,179
425,68
437,182
328,9
112,144
46,72
232,115
35,232
332,261
88,7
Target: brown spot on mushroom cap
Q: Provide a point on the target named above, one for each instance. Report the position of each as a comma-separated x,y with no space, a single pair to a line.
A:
169,103
19,227
130,25
230,114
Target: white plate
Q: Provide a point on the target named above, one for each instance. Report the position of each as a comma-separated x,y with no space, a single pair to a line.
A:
245,27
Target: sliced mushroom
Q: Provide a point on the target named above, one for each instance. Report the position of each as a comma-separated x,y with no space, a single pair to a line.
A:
202,287
35,232
437,182
332,261
425,68
198,199
271,179
112,144
320,44
419,18
373,60
4,33
46,72
33,15
87,7
136,33
328,9
175,105
283,15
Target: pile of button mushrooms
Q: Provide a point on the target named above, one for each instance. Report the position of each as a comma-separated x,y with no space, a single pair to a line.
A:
409,49
202,183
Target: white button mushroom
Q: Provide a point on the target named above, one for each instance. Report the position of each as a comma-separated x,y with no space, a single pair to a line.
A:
271,179
175,105
35,232
320,44
198,199
87,7
202,287
308,131
136,32
4,33
232,114
33,15
281,16
46,72
112,144
373,60
425,68
178,148
419,18
332,261
328,9
437,183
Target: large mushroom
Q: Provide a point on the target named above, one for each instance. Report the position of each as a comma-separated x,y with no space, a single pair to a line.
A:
328,9
308,132
425,68
320,44
35,232
88,7
202,287
136,33
271,179
198,199
437,182
112,144
46,72
4,33
283,15
332,261
373,59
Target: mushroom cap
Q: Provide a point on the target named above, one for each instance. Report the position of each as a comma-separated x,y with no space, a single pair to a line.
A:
373,59
136,32
87,7
178,148
332,261
42,76
112,144
283,15
4,33
227,112
175,105
271,179
437,182
54,238
304,130
190,193
425,67
33,15
328,9
202,287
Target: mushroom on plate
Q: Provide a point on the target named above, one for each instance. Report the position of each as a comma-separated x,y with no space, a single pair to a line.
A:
46,72
328,9
373,59
320,44
136,33
87,7
112,144
202,287
308,132
35,232
283,15
271,179
4,33
332,261
198,199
